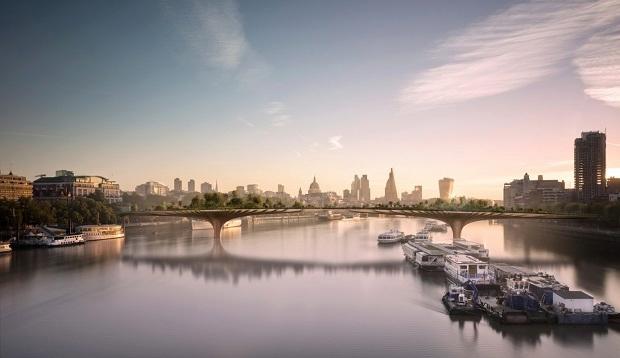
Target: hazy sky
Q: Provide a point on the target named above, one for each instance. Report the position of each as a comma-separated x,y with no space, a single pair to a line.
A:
272,92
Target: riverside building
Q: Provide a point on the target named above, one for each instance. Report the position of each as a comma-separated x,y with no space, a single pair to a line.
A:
531,194
65,184
13,187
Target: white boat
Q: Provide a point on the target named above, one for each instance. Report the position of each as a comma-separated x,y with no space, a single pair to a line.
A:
462,268
391,237
330,215
429,257
101,232
5,247
198,224
67,240
432,225
43,236
409,249
472,248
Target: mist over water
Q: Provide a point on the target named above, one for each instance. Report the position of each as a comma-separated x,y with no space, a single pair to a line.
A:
302,290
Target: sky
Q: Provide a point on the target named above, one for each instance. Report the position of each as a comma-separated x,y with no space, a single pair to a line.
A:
276,92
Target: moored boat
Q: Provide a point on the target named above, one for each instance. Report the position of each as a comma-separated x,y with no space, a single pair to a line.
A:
5,247
44,236
461,300
463,268
391,237
101,232
429,257
472,248
329,216
434,226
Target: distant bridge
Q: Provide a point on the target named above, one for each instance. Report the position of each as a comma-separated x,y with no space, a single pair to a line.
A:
456,219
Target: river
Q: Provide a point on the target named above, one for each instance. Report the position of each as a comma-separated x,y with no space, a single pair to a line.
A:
297,290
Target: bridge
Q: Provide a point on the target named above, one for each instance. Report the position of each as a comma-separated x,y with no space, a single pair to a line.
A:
456,219
217,217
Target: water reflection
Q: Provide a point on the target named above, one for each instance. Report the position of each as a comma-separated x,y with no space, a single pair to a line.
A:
323,289
220,265
22,264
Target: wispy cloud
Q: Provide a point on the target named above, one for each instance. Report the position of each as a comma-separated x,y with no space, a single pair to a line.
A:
214,30
246,122
219,34
278,113
335,142
513,48
598,65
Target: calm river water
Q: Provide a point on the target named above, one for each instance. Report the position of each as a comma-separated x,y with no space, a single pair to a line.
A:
314,290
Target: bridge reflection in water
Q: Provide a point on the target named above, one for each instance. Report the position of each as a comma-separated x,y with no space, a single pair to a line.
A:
220,265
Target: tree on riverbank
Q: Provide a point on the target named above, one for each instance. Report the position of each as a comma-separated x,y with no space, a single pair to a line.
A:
81,211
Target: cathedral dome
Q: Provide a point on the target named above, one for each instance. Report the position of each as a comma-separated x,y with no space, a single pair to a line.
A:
314,187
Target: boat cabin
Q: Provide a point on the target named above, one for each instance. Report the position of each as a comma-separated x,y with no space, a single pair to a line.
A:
463,268
573,301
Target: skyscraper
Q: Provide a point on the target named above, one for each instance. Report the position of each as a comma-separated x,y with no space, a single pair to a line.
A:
178,185
391,195
590,166
206,188
191,186
355,189
364,195
445,188
280,188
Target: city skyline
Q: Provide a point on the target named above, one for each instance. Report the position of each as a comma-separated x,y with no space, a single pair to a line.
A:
226,91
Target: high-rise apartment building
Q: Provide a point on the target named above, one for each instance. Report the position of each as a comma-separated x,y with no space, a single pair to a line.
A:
590,166
391,194
445,188
191,186
206,188
178,185
364,195
354,194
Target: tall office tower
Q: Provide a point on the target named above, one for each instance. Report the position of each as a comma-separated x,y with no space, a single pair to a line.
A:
445,188
191,186
590,166
206,188
391,195
416,194
178,185
355,189
280,188
364,189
